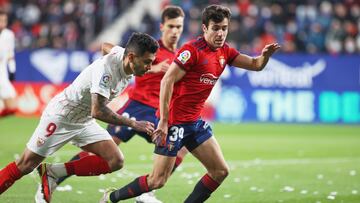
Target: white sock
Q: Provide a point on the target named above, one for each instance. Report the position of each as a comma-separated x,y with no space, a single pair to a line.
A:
58,170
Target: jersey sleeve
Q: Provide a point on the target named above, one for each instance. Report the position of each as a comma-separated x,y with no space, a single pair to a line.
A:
115,55
157,59
186,57
231,55
11,41
100,80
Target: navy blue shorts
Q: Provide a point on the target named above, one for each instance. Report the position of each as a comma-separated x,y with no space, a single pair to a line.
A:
136,111
190,135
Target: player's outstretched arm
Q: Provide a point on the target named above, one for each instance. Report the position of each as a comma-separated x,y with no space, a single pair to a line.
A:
174,74
106,48
257,63
163,66
101,111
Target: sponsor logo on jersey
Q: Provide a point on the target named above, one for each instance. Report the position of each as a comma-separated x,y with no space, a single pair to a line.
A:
105,80
184,56
208,79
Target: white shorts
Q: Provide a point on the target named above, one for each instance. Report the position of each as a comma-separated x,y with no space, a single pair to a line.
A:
52,133
7,90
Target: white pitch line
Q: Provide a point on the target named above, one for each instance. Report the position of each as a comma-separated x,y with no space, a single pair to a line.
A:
258,162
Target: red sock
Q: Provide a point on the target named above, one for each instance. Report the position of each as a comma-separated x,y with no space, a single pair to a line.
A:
202,190
177,163
210,183
83,154
7,112
8,176
92,165
133,189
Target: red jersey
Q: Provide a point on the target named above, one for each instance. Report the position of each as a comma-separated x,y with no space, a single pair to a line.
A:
203,67
147,87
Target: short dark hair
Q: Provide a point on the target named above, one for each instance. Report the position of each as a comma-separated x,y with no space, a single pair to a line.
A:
216,13
141,43
171,12
2,12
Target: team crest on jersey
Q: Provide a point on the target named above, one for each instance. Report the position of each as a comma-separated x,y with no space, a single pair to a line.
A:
170,146
222,61
105,80
184,56
40,142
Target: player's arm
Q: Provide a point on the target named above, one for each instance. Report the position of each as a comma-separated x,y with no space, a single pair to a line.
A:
257,63
101,111
174,74
163,66
105,48
11,60
12,68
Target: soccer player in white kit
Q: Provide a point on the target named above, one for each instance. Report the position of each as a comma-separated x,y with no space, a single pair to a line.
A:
70,116
7,60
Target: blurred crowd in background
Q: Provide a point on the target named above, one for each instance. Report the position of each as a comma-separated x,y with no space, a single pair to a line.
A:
312,26
68,24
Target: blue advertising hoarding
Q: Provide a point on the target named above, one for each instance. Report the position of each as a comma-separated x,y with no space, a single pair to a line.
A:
292,88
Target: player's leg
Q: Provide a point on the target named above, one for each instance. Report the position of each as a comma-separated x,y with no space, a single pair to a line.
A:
105,157
15,170
91,137
162,169
119,133
8,95
210,155
179,157
164,161
78,156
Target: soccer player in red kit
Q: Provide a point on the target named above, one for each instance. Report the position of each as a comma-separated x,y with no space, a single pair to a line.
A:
192,75
144,96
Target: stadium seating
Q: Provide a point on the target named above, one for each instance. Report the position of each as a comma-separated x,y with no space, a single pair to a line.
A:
300,26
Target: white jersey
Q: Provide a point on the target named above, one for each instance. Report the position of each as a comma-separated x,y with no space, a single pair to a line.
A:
7,46
105,76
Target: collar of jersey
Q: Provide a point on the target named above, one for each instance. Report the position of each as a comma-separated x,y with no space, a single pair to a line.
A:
122,72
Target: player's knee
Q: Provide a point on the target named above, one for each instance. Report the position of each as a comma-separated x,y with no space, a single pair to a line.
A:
224,172
220,174
157,182
116,163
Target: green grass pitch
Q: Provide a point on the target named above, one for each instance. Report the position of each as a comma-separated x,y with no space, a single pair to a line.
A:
269,163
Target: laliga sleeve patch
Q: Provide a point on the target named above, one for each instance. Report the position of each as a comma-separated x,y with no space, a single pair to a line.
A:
184,56
105,80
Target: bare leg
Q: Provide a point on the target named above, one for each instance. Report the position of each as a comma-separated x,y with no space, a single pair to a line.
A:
210,155
109,151
15,170
163,166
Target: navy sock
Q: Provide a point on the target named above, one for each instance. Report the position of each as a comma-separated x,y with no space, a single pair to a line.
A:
202,190
133,189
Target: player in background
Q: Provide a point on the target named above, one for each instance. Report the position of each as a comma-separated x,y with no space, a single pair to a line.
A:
70,116
144,97
194,72
7,67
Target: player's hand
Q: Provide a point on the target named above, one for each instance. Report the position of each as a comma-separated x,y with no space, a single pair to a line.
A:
160,134
163,66
144,126
12,77
270,49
